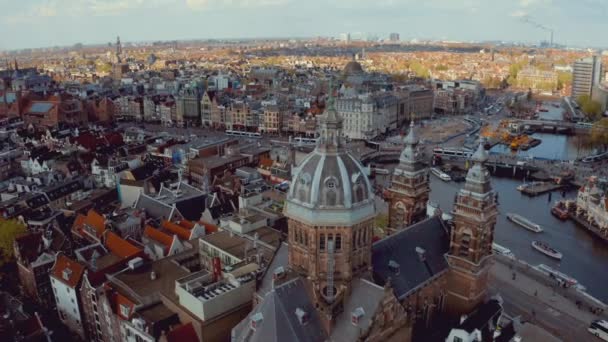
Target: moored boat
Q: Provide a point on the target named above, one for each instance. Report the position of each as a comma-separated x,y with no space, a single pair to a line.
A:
546,250
560,211
524,186
442,175
524,222
551,272
501,250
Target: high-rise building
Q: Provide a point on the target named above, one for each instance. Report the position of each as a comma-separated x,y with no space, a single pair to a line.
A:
409,190
393,37
585,75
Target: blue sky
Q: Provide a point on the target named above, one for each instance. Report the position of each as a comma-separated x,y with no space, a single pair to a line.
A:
37,23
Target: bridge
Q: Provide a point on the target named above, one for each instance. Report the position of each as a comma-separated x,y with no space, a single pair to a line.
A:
557,126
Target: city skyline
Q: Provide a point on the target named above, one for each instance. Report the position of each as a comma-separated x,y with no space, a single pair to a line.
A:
45,23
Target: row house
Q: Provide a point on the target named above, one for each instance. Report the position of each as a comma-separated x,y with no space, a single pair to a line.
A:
272,120
129,108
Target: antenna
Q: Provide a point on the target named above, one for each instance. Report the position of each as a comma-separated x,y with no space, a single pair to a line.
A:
330,270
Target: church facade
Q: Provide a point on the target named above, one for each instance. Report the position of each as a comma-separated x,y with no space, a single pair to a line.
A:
331,282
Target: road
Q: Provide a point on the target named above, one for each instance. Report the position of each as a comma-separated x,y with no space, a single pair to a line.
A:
540,304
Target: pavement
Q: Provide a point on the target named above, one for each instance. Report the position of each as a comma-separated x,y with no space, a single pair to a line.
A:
540,304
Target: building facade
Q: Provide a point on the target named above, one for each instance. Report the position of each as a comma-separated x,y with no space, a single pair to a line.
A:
586,74
475,213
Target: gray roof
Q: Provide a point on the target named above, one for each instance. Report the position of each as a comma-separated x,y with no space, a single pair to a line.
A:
279,322
364,295
153,207
281,258
429,235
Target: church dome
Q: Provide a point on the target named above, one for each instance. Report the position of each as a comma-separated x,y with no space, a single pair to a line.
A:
352,68
330,186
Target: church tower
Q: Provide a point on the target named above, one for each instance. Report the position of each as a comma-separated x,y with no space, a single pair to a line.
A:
469,257
408,193
330,209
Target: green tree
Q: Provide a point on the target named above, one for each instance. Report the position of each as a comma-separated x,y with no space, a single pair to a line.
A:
591,108
9,230
599,133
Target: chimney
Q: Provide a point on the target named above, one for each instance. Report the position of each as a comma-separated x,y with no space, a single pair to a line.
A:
421,253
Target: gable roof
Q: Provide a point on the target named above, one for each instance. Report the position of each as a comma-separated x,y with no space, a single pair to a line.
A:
73,274
430,235
158,236
120,247
181,232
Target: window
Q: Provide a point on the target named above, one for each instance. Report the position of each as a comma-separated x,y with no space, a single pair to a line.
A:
338,242
457,339
322,242
124,310
331,184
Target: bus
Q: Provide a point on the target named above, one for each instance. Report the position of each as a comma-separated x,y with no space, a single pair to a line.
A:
255,135
599,328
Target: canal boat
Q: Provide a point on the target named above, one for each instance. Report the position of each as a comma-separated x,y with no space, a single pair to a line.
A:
441,175
546,250
560,211
524,186
524,222
501,250
566,279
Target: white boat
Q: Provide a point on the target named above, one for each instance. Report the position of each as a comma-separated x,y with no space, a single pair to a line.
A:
527,185
524,222
501,250
442,175
546,250
568,280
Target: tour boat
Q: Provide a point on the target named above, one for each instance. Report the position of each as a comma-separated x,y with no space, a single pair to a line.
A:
442,175
560,211
501,250
524,222
546,250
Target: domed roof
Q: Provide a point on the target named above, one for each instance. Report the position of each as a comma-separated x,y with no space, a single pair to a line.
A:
352,68
330,187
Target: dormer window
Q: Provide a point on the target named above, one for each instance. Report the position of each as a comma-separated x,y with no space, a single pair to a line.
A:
357,315
331,184
393,266
256,320
66,274
124,310
303,316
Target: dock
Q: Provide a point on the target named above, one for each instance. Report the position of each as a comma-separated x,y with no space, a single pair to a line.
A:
539,189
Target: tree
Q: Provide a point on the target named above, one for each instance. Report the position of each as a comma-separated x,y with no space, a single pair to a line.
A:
591,108
599,133
9,230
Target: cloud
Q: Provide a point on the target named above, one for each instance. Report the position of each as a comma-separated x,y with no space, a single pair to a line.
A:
213,4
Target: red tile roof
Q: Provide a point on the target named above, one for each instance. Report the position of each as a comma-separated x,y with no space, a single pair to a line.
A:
124,301
93,220
74,271
183,333
158,235
121,247
181,232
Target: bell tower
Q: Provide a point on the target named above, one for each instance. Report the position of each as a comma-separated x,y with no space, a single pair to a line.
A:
408,193
469,257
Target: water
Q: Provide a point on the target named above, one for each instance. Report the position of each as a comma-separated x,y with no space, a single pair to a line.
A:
585,258
553,146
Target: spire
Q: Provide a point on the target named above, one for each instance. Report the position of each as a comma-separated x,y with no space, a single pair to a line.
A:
478,176
410,154
411,138
330,126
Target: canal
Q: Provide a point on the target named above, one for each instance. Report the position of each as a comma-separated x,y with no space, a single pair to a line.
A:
553,146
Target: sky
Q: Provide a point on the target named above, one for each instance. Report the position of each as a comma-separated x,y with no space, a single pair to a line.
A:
44,23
